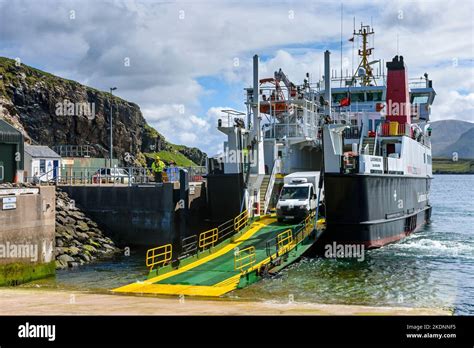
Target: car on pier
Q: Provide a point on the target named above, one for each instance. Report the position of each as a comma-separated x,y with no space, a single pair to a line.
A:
112,175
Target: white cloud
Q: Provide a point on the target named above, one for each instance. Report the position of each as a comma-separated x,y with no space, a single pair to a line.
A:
169,50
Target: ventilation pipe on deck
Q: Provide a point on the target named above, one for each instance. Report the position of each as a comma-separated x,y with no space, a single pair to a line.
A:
256,132
327,82
256,99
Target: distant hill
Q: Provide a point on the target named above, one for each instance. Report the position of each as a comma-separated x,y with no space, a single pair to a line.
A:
464,146
450,136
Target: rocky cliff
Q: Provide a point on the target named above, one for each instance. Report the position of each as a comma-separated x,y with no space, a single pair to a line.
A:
50,110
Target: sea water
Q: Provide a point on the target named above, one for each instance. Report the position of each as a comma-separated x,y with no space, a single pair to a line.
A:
432,268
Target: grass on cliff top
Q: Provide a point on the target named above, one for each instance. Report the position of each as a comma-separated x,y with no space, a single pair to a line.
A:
11,74
447,165
168,156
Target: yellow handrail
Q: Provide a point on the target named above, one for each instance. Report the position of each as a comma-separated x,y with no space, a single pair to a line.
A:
285,238
240,220
208,238
245,257
163,253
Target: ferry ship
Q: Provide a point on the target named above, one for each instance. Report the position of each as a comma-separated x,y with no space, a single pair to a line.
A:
367,133
378,164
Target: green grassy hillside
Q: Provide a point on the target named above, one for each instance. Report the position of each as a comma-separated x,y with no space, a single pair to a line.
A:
448,166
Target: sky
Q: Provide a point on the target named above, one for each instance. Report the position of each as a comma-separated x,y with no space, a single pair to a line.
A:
183,62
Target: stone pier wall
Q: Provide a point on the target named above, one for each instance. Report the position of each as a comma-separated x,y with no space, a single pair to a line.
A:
143,216
27,233
138,216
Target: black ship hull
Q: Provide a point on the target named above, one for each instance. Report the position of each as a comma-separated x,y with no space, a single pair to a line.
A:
374,210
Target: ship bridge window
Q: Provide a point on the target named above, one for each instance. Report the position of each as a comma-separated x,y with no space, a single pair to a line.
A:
374,96
357,97
420,98
337,97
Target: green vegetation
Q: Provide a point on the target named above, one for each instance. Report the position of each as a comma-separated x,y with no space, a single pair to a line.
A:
10,73
172,155
19,272
448,166
152,132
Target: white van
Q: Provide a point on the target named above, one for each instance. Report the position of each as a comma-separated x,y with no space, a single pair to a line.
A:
298,197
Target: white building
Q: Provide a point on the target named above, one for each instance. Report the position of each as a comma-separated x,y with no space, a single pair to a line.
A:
42,162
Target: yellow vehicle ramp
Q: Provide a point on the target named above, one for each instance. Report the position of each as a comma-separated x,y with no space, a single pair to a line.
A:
220,271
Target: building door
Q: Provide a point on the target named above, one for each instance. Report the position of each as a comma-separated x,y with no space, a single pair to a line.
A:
7,162
56,169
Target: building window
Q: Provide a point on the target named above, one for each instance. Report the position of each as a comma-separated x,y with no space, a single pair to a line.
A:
42,166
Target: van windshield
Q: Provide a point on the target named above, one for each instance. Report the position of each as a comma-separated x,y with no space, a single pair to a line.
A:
294,193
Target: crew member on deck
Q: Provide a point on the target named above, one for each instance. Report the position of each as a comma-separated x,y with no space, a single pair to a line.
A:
158,168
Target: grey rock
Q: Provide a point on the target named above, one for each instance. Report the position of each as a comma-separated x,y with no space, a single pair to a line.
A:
65,258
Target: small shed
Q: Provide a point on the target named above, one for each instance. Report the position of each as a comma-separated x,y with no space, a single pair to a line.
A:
42,162
11,153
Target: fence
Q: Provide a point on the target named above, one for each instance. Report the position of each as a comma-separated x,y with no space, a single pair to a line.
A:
195,244
68,175
398,129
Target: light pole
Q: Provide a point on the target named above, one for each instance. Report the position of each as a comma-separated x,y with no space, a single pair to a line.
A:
111,136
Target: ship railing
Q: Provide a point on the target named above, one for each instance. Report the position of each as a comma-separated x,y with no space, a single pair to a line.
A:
245,258
189,246
353,132
159,256
389,129
194,173
208,238
284,241
377,131
281,130
268,194
233,118
206,241
394,129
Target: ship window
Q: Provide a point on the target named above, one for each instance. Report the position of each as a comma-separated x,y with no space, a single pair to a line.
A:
374,96
420,98
357,97
337,97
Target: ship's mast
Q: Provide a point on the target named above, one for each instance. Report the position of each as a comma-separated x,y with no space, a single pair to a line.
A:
364,53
